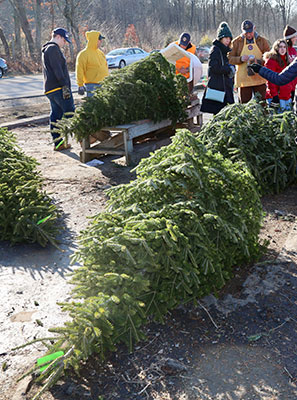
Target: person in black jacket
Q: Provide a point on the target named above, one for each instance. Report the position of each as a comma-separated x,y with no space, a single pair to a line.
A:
57,85
220,72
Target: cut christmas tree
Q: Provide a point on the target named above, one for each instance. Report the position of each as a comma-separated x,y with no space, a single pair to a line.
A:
147,89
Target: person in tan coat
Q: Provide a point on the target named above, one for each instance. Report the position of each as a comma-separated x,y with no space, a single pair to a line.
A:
248,48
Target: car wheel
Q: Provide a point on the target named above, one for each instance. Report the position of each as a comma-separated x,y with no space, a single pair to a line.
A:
122,64
1,73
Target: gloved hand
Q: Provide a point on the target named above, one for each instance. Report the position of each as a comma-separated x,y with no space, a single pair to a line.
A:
255,67
232,72
66,92
275,100
81,90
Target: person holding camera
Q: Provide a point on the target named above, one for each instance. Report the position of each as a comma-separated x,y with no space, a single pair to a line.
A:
248,48
57,85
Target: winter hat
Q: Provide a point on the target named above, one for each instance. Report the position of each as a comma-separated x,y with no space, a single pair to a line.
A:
223,31
289,32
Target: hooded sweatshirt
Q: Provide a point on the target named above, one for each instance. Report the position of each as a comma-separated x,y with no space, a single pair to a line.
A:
91,65
54,68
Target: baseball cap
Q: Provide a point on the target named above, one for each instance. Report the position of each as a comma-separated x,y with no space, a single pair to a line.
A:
247,26
184,39
101,37
62,32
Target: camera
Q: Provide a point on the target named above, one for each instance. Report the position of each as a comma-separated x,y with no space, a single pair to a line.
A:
250,61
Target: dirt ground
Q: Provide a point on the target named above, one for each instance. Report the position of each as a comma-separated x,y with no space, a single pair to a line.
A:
11,110
17,109
241,345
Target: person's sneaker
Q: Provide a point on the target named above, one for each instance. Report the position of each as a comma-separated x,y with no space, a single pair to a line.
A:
62,146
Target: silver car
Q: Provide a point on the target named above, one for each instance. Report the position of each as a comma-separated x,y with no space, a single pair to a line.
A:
3,67
119,58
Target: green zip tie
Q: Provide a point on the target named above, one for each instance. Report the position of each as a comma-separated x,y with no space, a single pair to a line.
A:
43,220
47,359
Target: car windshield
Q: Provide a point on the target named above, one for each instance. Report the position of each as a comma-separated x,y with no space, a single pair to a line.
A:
117,52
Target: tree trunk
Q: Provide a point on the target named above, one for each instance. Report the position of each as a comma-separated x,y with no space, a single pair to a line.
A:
223,17
52,12
70,15
19,7
192,13
18,41
214,14
5,43
38,29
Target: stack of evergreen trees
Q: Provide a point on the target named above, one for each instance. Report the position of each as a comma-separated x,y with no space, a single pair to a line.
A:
174,233
147,89
26,211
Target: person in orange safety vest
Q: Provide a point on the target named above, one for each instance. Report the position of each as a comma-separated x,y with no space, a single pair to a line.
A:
182,65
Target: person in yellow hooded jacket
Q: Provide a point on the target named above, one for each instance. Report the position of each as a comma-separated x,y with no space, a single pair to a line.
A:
91,65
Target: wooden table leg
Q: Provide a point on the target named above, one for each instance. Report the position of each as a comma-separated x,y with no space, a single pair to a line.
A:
128,145
85,145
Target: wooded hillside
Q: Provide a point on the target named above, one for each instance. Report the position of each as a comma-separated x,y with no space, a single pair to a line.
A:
156,22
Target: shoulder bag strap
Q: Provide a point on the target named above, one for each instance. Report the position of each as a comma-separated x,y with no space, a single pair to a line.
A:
222,66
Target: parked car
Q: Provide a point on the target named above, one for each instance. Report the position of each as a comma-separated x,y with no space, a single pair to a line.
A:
119,58
203,53
3,67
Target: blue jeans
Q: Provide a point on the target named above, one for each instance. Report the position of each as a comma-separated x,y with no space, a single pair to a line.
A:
284,105
59,106
90,87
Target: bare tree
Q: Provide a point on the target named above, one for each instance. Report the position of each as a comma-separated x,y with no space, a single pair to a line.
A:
38,27
70,9
5,43
52,13
20,10
17,50
285,7
214,20
153,19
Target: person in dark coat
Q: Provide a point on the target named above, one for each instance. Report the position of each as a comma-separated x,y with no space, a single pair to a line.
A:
57,85
220,72
280,79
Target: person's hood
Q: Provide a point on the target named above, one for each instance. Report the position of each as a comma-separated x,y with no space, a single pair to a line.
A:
46,45
92,38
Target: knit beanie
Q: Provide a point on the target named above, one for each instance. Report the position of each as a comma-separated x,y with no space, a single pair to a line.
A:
289,32
223,31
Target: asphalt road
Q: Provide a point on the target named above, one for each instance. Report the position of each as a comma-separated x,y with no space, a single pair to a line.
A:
25,85
12,87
